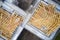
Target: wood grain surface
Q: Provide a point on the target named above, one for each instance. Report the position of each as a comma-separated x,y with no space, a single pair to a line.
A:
9,23
45,18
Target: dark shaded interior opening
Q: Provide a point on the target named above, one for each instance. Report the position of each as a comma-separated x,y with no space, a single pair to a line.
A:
24,4
57,35
57,1
26,35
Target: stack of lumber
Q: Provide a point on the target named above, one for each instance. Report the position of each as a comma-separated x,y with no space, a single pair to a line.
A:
45,18
9,22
